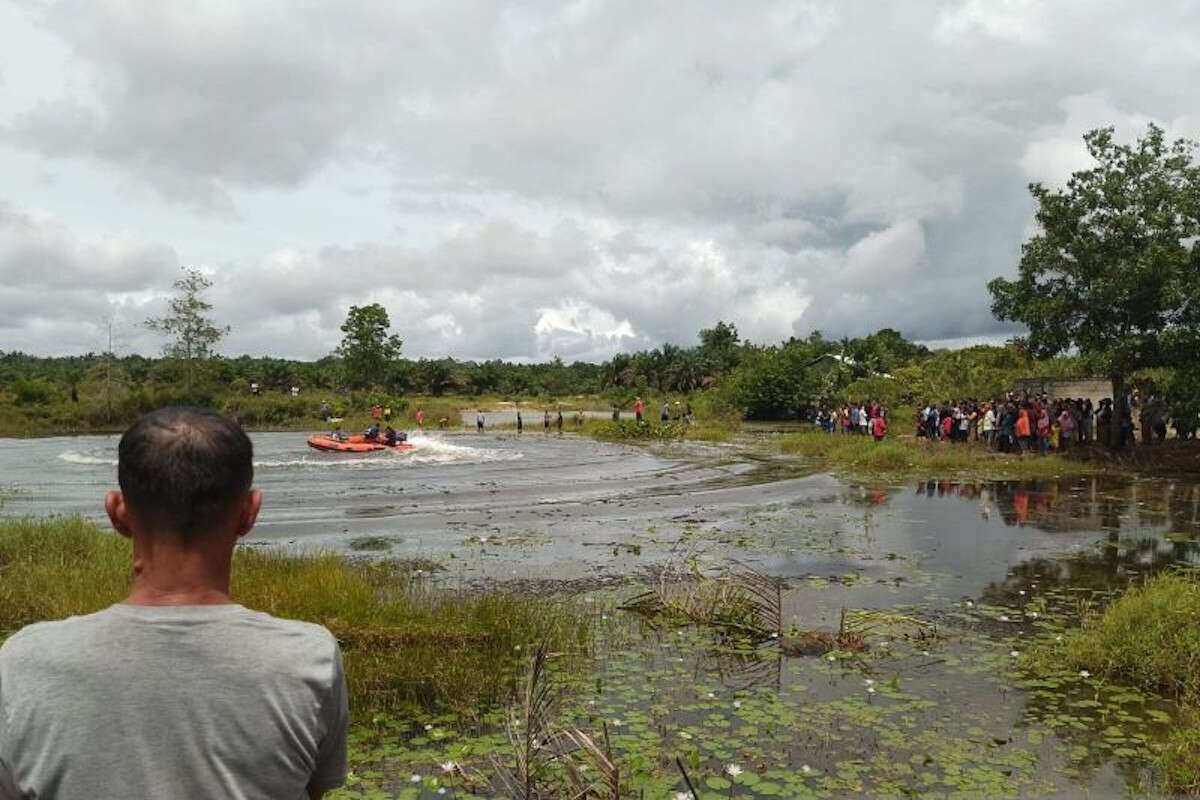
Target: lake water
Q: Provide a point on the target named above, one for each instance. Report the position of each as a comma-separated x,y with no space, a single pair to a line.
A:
988,563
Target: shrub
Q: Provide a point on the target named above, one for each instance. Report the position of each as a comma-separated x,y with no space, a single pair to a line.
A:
33,392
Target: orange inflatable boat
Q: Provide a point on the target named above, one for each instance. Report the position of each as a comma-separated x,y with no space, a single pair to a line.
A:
352,444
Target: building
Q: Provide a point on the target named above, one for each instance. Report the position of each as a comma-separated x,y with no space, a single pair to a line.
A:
1095,389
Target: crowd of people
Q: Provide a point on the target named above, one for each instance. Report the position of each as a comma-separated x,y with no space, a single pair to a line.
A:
865,419
1016,423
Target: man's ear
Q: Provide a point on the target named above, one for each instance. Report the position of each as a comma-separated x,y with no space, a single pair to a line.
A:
249,513
118,513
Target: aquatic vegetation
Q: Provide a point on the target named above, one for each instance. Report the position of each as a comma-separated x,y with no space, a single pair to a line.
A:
739,599
370,543
1150,637
409,648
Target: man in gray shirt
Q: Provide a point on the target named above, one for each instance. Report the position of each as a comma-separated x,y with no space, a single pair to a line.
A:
177,692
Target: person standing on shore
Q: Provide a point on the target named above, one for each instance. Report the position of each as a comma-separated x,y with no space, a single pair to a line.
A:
639,408
420,418
177,691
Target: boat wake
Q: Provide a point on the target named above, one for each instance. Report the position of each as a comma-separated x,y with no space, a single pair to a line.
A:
428,449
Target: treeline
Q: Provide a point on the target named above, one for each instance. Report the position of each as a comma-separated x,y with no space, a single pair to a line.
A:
760,382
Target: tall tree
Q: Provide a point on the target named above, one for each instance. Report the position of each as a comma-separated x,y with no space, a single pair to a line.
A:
367,347
1115,268
187,322
720,347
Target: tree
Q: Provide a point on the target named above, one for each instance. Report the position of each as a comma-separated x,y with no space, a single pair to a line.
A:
367,348
193,333
719,347
1115,267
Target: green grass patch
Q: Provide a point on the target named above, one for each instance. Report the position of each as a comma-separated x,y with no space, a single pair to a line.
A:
907,456
408,647
1150,637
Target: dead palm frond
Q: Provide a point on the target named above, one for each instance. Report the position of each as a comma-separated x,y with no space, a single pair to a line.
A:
530,729
740,599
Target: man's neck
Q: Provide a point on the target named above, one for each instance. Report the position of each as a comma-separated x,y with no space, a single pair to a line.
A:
165,574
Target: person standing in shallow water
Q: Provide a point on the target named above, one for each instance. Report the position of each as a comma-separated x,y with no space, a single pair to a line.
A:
520,423
479,422
177,691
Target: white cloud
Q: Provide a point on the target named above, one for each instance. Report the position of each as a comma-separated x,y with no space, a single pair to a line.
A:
516,179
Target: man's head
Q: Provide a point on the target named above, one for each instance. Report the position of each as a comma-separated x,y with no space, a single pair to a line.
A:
184,473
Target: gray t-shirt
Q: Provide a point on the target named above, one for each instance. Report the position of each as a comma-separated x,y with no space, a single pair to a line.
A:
171,702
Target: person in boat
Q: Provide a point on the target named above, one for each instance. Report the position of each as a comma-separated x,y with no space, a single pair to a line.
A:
371,434
338,435
389,436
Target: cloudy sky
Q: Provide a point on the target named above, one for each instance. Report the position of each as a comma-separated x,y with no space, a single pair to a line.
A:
522,180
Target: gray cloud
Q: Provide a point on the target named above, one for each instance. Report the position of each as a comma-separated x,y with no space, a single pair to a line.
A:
572,178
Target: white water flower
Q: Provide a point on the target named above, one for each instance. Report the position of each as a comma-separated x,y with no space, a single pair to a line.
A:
1021,592
1003,618
870,690
441,790
415,778
737,703
870,681
806,769
1058,638
925,653
617,723
1033,614
428,726
483,540
1014,654
831,657
1083,673
449,766
970,603
682,796
733,770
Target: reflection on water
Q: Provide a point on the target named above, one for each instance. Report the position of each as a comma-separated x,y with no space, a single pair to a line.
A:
1080,504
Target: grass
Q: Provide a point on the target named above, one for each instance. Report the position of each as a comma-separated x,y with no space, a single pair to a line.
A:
715,429
408,648
907,456
1150,637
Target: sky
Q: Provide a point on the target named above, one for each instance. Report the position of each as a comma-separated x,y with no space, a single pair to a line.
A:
523,180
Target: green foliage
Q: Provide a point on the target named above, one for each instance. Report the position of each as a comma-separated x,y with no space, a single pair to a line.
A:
863,456
627,429
776,382
407,647
367,348
192,332
34,391
1150,637
1113,268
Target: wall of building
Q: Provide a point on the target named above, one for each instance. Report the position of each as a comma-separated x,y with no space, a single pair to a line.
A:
1084,388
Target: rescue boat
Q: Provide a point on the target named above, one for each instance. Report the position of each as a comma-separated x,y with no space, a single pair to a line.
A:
352,444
